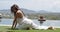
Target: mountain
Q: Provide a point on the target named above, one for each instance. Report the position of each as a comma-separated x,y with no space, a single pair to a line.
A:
43,11
26,11
5,11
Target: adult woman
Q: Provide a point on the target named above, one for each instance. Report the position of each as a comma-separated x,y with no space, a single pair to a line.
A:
22,21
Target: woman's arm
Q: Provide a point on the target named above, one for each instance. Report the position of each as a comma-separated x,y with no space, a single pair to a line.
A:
14,22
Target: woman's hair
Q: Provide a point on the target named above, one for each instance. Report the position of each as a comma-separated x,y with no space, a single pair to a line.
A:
15,8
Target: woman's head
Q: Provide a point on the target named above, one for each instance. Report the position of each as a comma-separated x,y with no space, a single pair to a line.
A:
14,8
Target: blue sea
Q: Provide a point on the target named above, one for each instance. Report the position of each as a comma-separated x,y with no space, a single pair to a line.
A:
46,23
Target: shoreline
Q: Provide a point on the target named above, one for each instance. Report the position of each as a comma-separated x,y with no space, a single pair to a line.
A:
4,25
11,25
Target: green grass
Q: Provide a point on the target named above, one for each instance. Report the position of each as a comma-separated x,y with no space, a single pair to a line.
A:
8,29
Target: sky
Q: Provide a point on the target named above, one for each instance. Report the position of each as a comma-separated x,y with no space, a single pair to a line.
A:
48,5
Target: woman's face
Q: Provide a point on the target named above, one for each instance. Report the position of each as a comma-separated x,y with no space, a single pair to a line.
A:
15,9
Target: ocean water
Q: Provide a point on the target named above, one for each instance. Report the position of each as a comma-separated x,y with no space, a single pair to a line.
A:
46,23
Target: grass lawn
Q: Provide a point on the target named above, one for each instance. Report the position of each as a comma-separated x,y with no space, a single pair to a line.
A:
7,29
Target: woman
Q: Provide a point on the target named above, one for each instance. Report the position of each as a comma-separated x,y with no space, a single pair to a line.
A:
22,21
